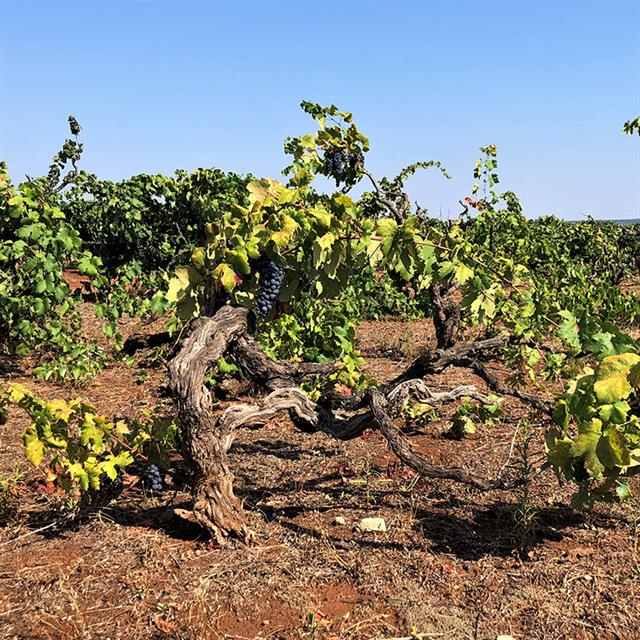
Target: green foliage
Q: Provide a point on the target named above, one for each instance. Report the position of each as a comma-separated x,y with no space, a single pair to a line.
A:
486,176
337,133
317,239
632,126
314,330
348,376
371,296
72,361
79,449
149,222
37,244
142,228
376,253
323,240
565,279
597,440
470,415
572,268
418,414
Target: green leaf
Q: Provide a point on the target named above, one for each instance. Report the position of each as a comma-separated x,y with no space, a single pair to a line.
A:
611,376
92,431
158,303
335,259
445,268
40,287
561,414
281,238
623,490
558,449
108,466
615,413
387,228
38,307
79,474
569,331
187,308
321,246
321,214
584,446
198,257
86,266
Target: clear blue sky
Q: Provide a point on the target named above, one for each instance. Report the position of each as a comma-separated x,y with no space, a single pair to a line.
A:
165,85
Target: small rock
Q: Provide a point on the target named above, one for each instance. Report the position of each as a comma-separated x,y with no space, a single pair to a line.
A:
505,638
339,520
372,524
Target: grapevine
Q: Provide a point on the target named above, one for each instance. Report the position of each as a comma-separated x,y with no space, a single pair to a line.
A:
208,248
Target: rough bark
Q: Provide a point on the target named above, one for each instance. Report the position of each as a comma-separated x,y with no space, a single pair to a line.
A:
205,442
467,355
446,314
268,374
438,360
379,416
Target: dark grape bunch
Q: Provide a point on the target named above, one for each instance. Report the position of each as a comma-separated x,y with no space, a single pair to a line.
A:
338,162
335,163
152,478
271,279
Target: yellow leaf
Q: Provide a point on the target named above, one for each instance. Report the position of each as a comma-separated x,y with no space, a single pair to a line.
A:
33,446
184,279
198,257
619,364
60,409
226,276
17,392
463,273
262,191
282,237
320,247
322,215
611,389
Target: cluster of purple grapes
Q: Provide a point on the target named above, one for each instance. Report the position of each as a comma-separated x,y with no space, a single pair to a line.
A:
271,279
152,478
337,162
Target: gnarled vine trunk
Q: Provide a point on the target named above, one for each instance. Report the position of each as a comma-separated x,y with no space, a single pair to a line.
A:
446,314
205,443
207,435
